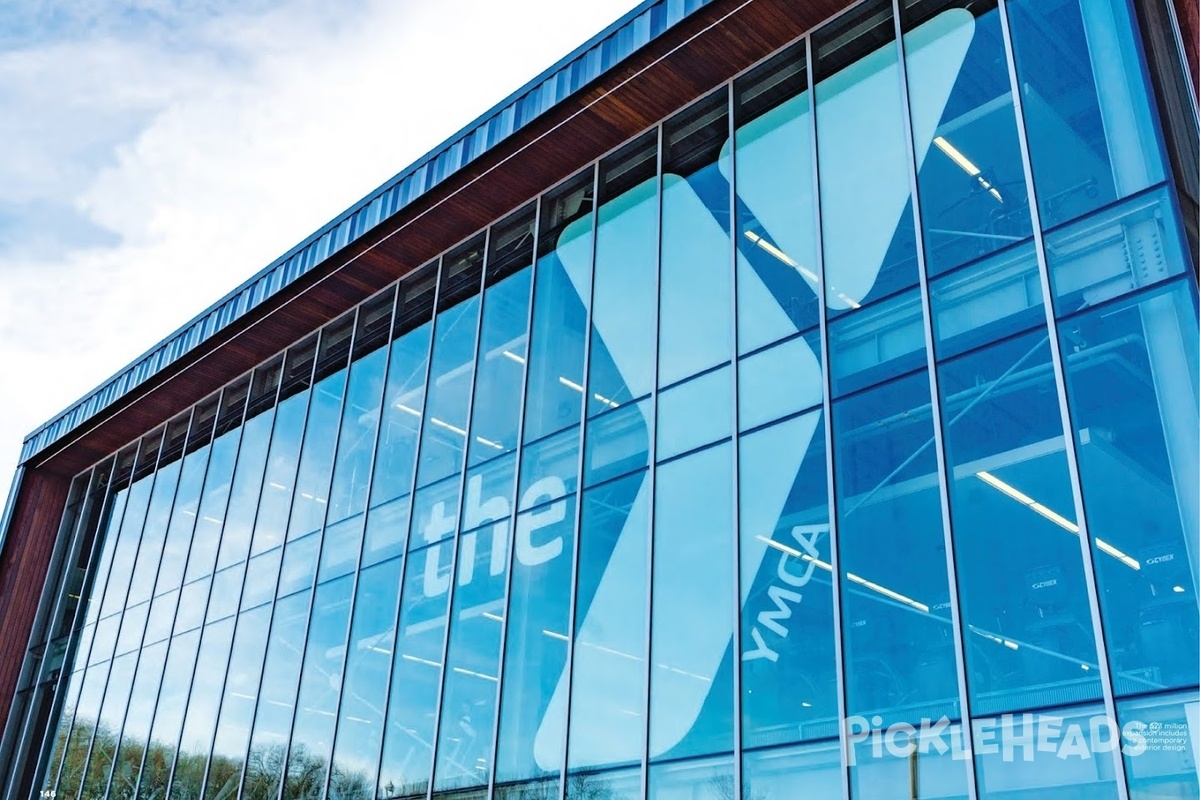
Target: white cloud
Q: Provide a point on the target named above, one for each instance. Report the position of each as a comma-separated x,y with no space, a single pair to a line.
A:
156,158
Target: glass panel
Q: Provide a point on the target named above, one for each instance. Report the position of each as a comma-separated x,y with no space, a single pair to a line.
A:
237,705
277,698
971,181
898,642
162,616
279,479
404,398
87,713
560,302
125,554
555,460
621,365
866,210
299,565
1062,756
245,490
812,770
617,784
1131,379
1092,135
180,531
535,660
141,583
465,730
368,661
928,759
356,441
500,371
108,728
878,343
1022,588
320,686
227,587
316,457
789,679
696,281
777,243
133,625
983,303
340,548
435,512
1116,251
209,519
691,682
416,674
488,492
444,438
695,413
618,442
607,712
201,716
168,716
1160,739
780,380
262,573
111,508
705,779
387,532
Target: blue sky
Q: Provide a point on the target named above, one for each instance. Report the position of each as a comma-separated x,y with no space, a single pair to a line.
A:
156,153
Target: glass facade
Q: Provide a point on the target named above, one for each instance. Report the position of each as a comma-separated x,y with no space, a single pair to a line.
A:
834,437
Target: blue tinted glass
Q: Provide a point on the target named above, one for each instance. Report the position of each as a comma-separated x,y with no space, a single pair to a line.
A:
488,493
125,554
299,564
1131,380
193,601
892,763
279,478
877,343
1022,588
777,244
696,314
560,300
435,512
141,584
245,490
227,587
607,711
237,703
87,713
277,698
340,548
201,715
108,726
898,642
210,516
621,365
532,713
444,435
789,680
780,380
617,784
320,683
1092,135
464,754
618,442
699,779
316,457
995,297
416,674
356,440
387,531
786,773
695,413
1160,765
168,715
403,401
128,763
262,573
552,462
691,682
500,370
109,533
368,661
869,242
970,177
1116,251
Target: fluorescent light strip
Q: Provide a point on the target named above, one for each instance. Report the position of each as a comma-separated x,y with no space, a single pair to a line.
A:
489,443
555,635
447,426
886,592
807,273
492,616
408,410
1054,516
608,402
511,356
474,674
570,384
791,551
967,165
407,657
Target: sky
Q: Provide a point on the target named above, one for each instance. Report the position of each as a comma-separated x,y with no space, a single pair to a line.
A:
154,154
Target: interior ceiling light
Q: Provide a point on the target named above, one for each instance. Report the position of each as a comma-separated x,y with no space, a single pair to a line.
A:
808,274
967,165
1053,516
